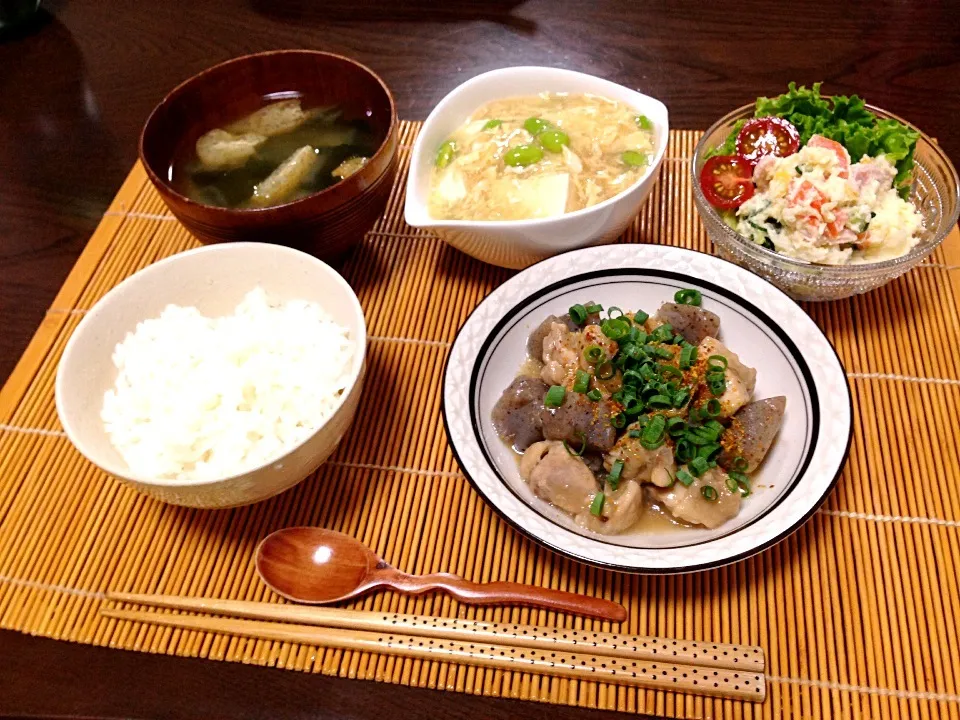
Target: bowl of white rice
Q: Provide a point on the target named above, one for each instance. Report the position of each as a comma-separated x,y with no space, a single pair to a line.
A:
216,377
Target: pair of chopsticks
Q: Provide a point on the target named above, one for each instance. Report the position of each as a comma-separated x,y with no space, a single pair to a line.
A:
721,670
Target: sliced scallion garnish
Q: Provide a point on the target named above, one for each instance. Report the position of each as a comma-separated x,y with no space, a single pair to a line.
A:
605,371
688,356
581,381
583,444
688,297
578,313
554,397
596,507
594,354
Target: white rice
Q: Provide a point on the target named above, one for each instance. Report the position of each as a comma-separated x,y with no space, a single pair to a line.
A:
199,397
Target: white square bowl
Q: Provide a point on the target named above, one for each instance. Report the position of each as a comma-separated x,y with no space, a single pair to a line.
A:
519,243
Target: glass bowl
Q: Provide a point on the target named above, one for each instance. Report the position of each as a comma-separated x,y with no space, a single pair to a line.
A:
935,194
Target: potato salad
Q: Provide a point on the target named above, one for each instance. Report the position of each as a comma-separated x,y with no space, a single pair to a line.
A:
814,205
786,179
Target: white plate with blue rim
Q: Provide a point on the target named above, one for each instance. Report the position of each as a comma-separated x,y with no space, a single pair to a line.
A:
767,329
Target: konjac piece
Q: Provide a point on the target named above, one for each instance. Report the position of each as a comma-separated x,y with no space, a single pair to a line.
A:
752,430
516,416
692,322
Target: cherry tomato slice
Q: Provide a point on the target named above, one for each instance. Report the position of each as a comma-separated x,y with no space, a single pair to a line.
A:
726,181
839,150
767,136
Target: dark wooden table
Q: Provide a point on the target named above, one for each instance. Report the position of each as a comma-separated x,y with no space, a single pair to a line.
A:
73,95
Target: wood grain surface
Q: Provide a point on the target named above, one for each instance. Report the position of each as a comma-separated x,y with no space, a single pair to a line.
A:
75,91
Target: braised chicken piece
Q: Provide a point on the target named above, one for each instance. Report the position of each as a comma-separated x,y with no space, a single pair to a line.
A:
740,379
688,502
621,510
639,463
558,477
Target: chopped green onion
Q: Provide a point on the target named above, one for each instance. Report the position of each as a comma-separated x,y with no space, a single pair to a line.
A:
613,309
685,451
676,426
669,371
634,433
596,507
640,317
684,477
739,464
688,297
660,352
681,397
594,354
743,483
578,313
698,465
708,433
709,452
663,334
491,124
713,408
709,492
594,308
615,329
678,339
634,406
660,402
717,387
619,421
583,444
647,373
732,484
555,395
595,395
605,371
715,376
718,362
614,477
715,426
688,356
581,382
653,434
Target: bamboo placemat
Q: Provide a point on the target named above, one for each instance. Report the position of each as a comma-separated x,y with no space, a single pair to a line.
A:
857,611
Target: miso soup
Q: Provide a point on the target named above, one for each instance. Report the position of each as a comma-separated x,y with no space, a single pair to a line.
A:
278,154
540,156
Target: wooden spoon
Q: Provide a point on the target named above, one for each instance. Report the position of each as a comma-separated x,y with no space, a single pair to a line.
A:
317,566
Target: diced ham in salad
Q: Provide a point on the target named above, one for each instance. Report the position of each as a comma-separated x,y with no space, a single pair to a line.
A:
814,205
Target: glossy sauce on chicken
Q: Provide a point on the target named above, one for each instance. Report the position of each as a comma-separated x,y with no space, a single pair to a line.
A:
637,423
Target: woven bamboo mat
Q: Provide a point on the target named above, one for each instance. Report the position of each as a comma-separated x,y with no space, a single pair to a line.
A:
857,611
